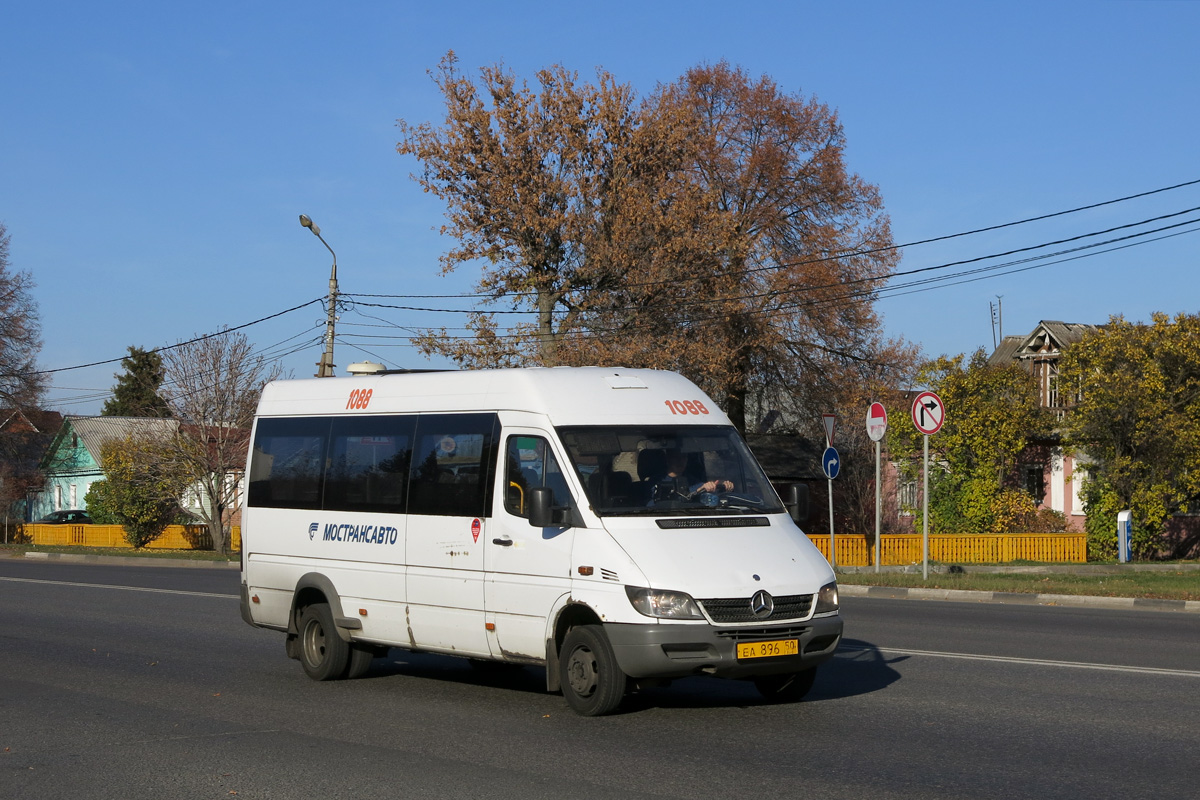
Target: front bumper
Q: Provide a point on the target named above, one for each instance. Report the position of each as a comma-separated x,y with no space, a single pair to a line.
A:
678,650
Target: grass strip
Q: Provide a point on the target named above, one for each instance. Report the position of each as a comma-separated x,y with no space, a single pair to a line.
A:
1174,585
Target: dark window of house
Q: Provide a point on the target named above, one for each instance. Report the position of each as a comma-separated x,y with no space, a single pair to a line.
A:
369,460
909,497
1034,478
287,463
452,465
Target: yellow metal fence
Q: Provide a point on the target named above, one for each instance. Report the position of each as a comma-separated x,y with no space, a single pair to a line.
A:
175,537
852,550
857,551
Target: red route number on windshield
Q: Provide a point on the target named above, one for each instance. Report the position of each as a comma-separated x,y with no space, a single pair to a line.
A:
359,398
686,406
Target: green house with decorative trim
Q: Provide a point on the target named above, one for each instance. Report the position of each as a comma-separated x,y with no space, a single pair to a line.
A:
72,462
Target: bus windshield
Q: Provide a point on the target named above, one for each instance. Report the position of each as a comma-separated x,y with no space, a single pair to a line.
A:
668,470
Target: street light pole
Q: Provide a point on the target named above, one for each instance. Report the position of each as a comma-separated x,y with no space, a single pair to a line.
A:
325,365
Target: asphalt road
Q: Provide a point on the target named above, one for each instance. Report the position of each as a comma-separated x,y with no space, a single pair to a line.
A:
143,682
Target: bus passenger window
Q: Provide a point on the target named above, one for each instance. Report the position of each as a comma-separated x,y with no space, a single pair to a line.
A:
369,460
452,457
287,463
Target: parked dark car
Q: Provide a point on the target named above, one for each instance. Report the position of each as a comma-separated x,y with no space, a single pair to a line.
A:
66,518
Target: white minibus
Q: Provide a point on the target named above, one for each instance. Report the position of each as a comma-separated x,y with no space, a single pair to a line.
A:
608,524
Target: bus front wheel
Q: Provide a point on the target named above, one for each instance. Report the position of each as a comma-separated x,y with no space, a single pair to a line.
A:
592,683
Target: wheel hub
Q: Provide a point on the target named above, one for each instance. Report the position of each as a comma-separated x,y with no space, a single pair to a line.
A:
314,643
581,672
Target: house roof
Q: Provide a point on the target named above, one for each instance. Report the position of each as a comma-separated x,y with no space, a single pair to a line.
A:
29,420
94,432
1050,337
1006,351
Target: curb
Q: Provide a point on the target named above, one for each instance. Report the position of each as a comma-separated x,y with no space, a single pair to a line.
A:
1018,598
134,561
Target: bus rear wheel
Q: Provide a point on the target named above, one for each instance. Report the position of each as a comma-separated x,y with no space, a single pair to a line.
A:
323,653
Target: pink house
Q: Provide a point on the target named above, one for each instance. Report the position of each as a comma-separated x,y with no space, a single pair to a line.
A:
1052,475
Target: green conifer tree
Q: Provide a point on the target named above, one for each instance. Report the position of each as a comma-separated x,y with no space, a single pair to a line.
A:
136,391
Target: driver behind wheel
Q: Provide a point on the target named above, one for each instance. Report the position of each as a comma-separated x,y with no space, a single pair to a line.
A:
676,485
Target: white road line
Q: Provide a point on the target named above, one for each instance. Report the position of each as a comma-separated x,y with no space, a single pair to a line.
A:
1037,662
124,588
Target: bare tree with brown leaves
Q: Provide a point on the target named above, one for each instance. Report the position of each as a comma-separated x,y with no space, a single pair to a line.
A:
21,385
713,229
768,301
212,388
525,174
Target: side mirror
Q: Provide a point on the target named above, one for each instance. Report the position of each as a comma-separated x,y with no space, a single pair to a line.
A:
542,514
796,500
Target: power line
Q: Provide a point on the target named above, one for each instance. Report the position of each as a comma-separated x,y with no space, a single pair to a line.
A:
885,291
925,284
675,303
181,344
848,254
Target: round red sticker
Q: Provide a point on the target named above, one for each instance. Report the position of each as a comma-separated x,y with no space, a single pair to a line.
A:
475,528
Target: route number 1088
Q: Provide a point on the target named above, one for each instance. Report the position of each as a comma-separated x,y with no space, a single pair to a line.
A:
686,406
359,398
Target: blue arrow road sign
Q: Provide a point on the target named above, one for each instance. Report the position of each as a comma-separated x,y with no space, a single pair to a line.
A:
831,463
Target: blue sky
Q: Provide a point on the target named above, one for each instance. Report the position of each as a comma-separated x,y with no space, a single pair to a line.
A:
154,157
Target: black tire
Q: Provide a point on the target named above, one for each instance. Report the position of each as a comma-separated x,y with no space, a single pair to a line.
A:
323,653
787,688
359,661
592,683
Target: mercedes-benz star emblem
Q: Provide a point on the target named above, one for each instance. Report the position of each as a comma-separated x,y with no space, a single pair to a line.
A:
762,604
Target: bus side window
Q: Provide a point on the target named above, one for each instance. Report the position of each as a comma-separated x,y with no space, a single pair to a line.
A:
288,463
369,464
452,465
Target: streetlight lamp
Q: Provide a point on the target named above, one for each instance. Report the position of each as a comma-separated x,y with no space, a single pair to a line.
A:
325,365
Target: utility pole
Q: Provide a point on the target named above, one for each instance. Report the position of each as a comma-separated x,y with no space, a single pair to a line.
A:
1000,315
325,365
992,319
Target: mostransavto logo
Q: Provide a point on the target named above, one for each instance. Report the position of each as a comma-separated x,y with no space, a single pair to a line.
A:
363,534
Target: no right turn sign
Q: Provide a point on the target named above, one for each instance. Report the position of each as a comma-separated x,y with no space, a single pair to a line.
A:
928,413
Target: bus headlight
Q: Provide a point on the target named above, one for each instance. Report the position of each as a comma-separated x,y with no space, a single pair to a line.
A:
663,604
827,599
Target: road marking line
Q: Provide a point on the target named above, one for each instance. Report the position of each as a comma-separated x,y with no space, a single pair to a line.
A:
125,588
1039,662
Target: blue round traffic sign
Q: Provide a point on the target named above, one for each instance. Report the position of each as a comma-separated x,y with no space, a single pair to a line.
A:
831,463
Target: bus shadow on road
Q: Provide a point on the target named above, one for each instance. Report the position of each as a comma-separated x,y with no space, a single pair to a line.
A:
857,668
451,669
